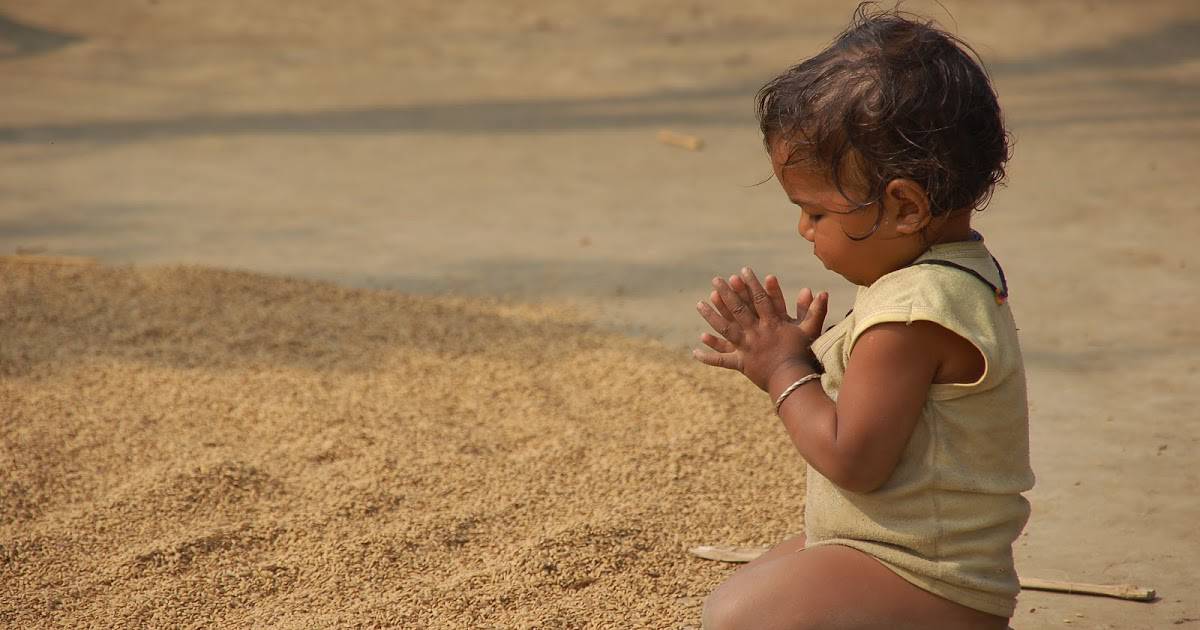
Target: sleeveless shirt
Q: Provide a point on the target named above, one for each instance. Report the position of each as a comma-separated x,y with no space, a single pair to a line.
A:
947,517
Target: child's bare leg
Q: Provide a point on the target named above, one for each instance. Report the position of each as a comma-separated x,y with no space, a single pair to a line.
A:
831,587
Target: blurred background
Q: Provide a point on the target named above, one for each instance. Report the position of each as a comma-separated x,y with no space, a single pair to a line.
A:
509,149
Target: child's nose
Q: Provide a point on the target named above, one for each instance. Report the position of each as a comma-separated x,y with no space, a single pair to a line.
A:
805,228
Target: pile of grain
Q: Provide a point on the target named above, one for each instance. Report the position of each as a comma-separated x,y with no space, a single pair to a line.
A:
186,447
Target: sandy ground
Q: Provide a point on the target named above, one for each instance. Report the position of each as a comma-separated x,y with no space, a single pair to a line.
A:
481,150
194,448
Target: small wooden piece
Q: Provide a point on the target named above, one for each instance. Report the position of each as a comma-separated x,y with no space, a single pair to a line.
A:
1119,591
681,140
723,553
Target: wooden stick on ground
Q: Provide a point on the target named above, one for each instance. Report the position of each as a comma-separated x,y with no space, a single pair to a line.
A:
681,140
1119,591
724,553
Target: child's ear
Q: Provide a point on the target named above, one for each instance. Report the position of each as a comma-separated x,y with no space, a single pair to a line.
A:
908,204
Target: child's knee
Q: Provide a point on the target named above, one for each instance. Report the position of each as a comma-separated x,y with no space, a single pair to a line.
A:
727,608
734,606
720,611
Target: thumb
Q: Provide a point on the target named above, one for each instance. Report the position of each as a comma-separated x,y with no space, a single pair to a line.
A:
814,319
803,301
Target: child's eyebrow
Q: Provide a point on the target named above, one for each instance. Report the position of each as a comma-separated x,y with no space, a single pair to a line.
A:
805,204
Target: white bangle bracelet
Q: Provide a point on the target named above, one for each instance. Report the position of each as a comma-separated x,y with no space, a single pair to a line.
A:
793,387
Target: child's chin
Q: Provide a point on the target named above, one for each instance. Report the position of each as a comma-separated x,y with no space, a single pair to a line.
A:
835,269
851,278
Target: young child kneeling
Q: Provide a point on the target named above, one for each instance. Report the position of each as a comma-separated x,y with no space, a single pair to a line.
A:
911,412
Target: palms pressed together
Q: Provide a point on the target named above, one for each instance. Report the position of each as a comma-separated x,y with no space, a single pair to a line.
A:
755,333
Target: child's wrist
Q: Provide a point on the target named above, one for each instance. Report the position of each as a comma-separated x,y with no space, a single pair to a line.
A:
787,373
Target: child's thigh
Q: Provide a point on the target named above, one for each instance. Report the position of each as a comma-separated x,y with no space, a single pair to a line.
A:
832,587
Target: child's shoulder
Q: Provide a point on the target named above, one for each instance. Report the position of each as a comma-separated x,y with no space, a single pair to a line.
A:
947,279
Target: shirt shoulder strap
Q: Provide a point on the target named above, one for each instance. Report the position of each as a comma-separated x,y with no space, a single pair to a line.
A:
1001,291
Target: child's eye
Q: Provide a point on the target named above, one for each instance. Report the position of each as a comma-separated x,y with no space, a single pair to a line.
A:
813,215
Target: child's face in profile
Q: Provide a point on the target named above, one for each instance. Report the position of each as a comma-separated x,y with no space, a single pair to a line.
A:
828,219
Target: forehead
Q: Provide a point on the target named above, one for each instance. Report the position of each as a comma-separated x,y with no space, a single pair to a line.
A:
805,181
799,177
787,158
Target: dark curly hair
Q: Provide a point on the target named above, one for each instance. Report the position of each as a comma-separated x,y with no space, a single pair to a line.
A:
892,97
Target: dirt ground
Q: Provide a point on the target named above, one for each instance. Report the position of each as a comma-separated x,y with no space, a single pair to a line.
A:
472,151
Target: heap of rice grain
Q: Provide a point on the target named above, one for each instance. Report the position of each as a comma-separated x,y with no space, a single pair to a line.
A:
183,447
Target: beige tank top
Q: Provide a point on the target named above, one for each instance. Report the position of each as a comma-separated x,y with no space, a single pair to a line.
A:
947,517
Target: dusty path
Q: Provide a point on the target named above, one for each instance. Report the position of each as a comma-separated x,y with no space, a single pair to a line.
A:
509,151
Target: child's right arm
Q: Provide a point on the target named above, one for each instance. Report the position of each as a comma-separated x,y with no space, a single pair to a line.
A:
857,441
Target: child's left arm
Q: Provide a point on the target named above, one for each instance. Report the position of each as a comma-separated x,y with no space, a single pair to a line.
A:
857,441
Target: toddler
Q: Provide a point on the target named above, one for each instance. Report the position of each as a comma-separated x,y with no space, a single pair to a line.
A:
911,412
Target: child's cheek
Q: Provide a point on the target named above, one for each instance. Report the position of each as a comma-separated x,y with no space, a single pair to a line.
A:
819,252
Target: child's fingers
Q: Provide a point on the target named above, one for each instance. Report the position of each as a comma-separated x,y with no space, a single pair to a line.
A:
775,290
724,327
742,313
717,343
815,318
715,298
759,298
803,301
727,361
739,285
